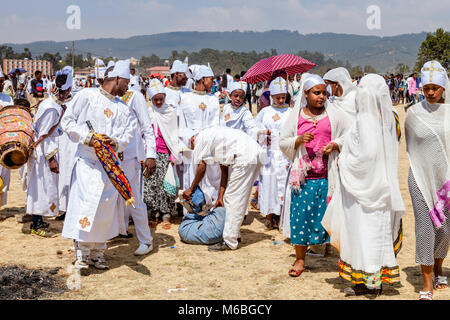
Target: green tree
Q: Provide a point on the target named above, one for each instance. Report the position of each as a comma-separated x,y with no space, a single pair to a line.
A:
435,47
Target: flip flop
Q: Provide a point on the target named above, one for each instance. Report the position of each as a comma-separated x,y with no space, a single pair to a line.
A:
425,295
166,225
440,281
295,272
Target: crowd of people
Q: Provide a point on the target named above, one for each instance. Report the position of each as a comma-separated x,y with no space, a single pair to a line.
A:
323,152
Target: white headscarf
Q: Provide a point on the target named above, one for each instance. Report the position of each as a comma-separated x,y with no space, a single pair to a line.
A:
164,118
368,162
67,70
347,101
203,72
307,81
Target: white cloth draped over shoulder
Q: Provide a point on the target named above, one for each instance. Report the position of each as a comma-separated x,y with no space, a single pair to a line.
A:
93,213
346,102
238,118
364,215
42,183
165,119
340,124
427,132
5,173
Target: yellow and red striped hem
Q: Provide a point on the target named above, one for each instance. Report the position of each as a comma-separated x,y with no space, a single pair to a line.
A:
387,275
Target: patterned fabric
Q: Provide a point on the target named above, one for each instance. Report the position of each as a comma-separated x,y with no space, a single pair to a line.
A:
371,280
159,202
307,209
431,243
111,165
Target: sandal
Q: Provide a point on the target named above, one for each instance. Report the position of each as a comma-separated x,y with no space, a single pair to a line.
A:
166,225
295,272
425,295
440,281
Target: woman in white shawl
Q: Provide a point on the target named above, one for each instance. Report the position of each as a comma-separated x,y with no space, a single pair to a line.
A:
364,216
427,132
161,204
311,138
343,91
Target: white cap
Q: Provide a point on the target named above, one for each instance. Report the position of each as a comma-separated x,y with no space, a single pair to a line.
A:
121,69
433,72
180,67
278,86
312,81
154,87
238,85
203,72
67,70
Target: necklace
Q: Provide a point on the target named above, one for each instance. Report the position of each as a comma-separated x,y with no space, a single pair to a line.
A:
314,119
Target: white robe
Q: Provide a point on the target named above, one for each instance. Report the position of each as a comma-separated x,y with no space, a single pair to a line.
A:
198,111
238,118
243,156
93,214
141,147
272,180
42,192
5,100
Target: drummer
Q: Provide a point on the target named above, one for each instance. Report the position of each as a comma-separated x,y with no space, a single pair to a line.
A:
43,166
5,100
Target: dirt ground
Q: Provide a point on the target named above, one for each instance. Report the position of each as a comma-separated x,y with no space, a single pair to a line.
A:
257,270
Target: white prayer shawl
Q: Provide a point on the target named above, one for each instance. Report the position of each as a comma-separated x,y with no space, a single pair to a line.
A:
300,101
339,126
427,132
346,102
368,175
143,145
173,96
5,100
42,191
198,111
165,119
274,171
92,213
238,118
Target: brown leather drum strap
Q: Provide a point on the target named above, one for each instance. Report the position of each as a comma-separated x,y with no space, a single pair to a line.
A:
43,137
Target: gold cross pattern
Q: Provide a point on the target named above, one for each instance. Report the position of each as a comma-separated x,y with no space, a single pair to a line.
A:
108,113
202,106
276,117
432,69
84,222
227,117
280,83
53,207
156,86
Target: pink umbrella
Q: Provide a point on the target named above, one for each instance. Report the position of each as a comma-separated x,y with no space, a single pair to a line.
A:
263,69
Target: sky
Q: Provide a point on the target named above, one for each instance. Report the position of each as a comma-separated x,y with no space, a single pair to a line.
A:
23,21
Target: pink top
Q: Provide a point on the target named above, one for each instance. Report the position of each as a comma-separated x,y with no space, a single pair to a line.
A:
322,137
161,146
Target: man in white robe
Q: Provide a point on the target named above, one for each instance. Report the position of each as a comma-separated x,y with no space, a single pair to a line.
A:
94,214
43,166
198,110
142,148
240,158
5,100
134,81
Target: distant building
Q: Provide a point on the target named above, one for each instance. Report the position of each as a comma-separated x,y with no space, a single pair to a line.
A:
164,70
84,72
30,65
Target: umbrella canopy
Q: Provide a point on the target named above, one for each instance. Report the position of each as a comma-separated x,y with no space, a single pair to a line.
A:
263,69
22,70
156,75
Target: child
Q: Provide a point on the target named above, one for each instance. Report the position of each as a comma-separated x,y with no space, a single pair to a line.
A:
272,181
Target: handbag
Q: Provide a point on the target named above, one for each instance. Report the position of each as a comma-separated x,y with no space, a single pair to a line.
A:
171,182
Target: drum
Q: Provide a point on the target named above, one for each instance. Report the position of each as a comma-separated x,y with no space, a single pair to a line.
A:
16,136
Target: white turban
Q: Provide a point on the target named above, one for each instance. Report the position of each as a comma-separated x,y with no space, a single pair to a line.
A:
180,67
312,81
155,86
121,70
341,76
239,85
433,72
278,86
203,72
68,70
